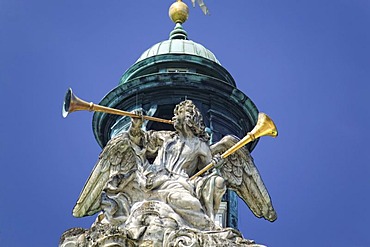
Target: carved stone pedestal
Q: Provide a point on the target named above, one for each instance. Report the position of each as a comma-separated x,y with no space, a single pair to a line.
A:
154,224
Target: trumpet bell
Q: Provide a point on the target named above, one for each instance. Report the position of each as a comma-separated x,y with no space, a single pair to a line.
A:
67,103
264,127
72,103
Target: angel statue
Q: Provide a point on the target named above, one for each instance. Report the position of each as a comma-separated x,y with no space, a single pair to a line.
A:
141,173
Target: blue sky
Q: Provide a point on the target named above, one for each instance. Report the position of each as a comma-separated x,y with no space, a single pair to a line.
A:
305,63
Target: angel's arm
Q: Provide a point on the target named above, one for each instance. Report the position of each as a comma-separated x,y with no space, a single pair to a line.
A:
149,140
136,134
153,140
205,156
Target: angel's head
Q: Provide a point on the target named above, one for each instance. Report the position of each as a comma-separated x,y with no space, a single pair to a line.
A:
187,114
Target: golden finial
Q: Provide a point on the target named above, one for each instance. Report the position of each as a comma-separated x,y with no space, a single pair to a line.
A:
179,12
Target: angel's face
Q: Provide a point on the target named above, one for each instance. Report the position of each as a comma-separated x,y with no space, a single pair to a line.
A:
179,118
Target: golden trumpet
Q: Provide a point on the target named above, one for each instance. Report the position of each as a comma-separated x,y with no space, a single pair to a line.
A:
72,103
264,127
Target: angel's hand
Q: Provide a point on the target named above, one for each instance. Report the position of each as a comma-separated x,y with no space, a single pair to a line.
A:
217,160
137,122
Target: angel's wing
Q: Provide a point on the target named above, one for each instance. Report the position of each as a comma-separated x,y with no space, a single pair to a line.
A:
242,176
118,156
201,5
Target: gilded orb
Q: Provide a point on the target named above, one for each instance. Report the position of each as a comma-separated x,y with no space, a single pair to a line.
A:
179,12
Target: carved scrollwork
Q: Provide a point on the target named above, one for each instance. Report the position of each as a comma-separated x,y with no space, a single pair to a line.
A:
181,238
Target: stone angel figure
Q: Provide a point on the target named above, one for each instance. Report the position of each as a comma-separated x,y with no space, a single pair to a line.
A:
141,166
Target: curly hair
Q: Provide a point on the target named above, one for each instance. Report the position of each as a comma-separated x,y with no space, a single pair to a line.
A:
193,119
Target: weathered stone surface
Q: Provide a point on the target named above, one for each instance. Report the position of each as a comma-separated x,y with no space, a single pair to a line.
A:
146,227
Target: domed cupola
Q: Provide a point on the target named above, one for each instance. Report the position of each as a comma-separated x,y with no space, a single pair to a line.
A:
179,44
180,54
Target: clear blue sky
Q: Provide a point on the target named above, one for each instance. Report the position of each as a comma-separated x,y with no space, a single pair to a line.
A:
305,63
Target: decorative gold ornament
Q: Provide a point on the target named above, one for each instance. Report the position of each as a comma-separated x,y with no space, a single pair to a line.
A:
178,12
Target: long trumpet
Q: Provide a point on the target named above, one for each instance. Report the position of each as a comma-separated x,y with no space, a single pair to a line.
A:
72,103
264,127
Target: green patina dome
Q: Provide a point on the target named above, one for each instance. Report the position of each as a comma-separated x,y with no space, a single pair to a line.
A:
178,44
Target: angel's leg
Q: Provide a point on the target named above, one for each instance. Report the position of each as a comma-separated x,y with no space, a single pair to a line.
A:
219,191
190,209
212,190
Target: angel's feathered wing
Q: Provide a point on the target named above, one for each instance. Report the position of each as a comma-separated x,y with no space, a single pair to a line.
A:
118,156
242,176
